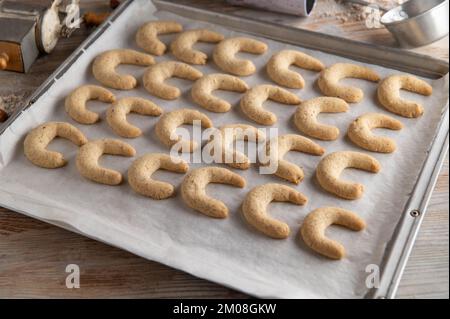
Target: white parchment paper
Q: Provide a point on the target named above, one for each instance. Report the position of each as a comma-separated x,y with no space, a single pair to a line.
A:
225,251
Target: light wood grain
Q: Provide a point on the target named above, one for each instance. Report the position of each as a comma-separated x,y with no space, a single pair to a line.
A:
33,255
426,275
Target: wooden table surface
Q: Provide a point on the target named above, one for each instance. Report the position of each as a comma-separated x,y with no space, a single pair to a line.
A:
34,255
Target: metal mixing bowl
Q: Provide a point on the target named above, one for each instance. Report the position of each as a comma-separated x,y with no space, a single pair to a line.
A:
418,22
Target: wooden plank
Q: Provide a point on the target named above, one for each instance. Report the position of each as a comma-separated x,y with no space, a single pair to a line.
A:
33,255
426,275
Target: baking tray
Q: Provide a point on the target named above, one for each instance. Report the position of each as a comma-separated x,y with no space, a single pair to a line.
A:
414,63
402,242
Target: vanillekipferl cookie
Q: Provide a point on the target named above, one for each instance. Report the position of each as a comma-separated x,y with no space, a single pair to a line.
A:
360,132
168,123
252,102
225,55
116,115
193,189
278,68
331,166
75,103
147,35
329,78
255,205
37,140
90,153
155,77
104,67
315,224
183,43
224,140
141,170
285,143
389,94
305,117
202,91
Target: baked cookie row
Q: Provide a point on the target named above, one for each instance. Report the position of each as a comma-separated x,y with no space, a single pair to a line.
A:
328,170
328,81
305,117
224,57
193,187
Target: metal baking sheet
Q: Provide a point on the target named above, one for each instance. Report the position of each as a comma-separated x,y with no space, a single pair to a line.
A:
403,241
414,212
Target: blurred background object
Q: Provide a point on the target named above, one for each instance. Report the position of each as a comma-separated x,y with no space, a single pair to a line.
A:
29,29
296,7
413,23
3,115
416,22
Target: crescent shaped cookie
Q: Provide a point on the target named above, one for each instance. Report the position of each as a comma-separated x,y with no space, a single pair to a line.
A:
140,175
168,123
291,142
90,153
255,204
332,165
155,76
193,189
37,139
202,91
313,229
230,133
183,43
225,55
329,81
360,132
104,67
279,63
147,35
116,115
75,103
251,102
305,117
389,94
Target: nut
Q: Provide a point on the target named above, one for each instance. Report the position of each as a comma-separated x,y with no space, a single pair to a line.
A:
4,59
3,115
114,3
93,19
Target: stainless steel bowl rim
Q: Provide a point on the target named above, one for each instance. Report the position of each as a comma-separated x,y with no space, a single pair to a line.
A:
410,18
